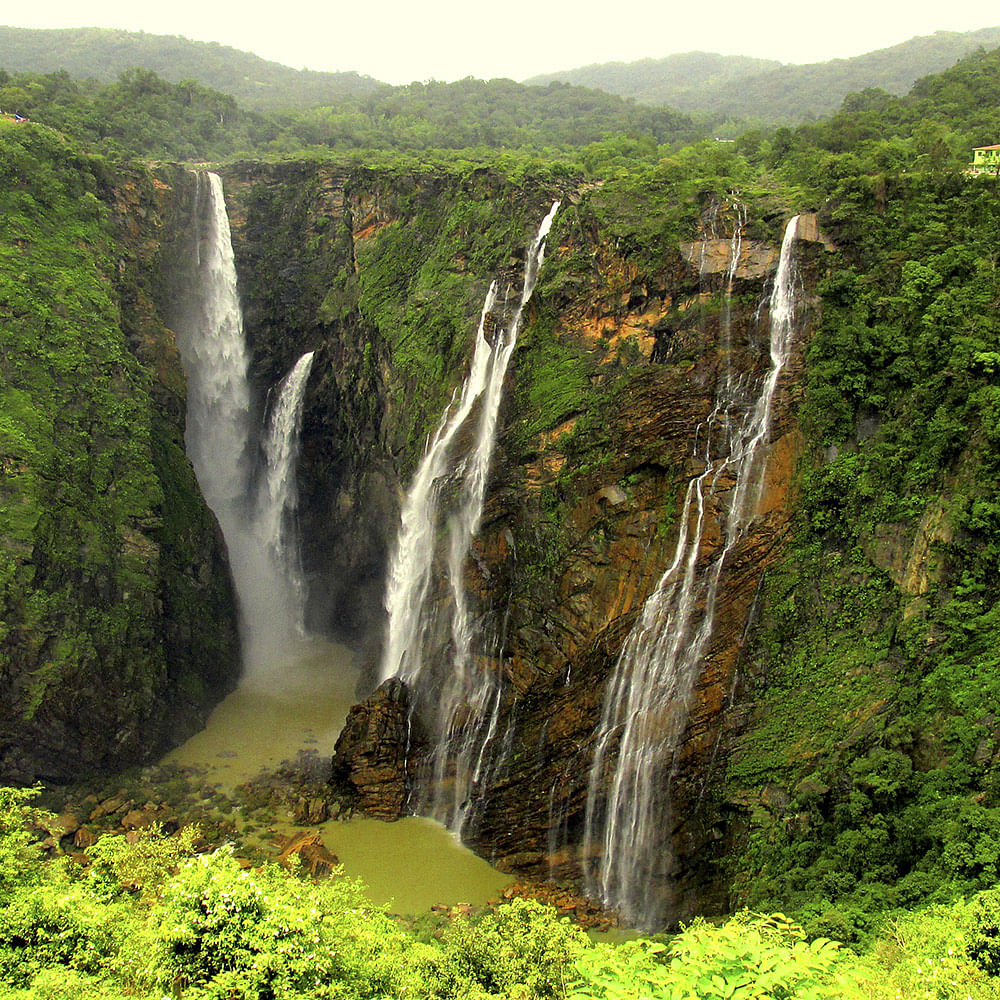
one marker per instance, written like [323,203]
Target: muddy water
[301,704]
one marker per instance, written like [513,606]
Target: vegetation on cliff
[143,114]
[96,562]
[873,667]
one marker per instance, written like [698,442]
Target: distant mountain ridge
[103,53]
[733,87]
[671,80]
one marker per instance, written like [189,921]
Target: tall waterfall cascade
[647,698]
[430,636]
[246,472]
[274,602]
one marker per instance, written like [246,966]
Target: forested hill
[142,113]
[678,79]
[104,53]
[734,87]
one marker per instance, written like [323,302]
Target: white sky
[399,41]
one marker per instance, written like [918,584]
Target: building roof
[977,148]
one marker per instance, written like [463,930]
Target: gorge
[659,466]
[449,687]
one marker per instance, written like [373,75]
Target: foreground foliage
[152,919]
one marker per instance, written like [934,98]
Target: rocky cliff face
[852,617]
[616,369]
[614,486]
[378,273]
[851,671]
[119,627]
[294,229]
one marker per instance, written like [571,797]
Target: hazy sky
[399,41]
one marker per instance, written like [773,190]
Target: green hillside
[732,87]
[141,113]
[677,80]
[104,53]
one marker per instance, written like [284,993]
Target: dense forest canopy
[143,114]
[103,54]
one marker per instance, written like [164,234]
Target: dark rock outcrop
[373,761]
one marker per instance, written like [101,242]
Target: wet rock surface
[375,756]
[566,602]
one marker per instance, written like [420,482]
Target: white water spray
[215,362]
[459,698]
[254,512]
[272,588]
[627,824]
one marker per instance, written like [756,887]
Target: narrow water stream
[409,865]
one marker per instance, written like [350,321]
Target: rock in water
[312,853]
[374,756]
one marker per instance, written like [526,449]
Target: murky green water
[301,704]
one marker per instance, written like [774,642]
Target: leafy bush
[751,956]
[520,950]
[925,954]
[984,939]
[265,933]
[141,865]
[18,855]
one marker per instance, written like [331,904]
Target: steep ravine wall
[119,630]
[379,273]
[842,751]
[616,494]
[843,741]
[383,274]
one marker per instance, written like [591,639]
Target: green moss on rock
[89,668]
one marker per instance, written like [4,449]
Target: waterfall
[429,641]
[215,362]
[273,591]
[247,479]
[646,702]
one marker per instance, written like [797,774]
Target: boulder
[308,847]
[374,755]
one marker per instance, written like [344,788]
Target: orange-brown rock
[311,853]
[580,909]
[84,838]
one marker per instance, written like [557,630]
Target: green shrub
[59,924]
[984,939]
[522,950]
[267,934]
[749,957]
[141,866]
[18,855]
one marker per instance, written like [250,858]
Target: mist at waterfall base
[246,469]
[456,690]
[296,689]
[628,822]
